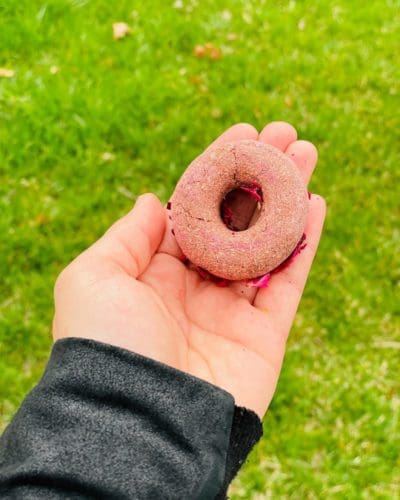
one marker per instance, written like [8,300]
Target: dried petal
[254,190]
[215,53]
[227,216]
[301,245]
[207,50]
[260,282]
[184,259]
[203,273]
[199,51]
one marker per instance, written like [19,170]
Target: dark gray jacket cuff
[107,423]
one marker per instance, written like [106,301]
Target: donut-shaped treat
[197,209]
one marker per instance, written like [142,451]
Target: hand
[130,289]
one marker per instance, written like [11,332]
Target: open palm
[131,289]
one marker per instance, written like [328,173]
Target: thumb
[133,240]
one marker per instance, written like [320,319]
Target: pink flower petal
[203,273]
[227,216]
[260,282]
[301,245]
[254,190]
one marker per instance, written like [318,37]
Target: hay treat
[235,238]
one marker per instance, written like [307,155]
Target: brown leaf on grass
[108,61]
[6,73]
[196,79]
[216,113]
[212,51]
[215,53]
[288,101]
[198,82]
[41,219]
[120,30]
[199,51]
[208,50]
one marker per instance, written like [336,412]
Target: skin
[131,290]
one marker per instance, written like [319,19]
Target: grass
[330,68]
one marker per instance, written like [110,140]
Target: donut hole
[240,208]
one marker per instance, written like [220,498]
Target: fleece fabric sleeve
[104,422]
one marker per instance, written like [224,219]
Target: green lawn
[331,69]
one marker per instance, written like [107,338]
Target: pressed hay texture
[199,229]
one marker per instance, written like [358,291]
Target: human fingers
[305,155]
[278,134]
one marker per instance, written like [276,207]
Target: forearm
[108,423]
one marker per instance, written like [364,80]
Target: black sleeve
[104,422]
